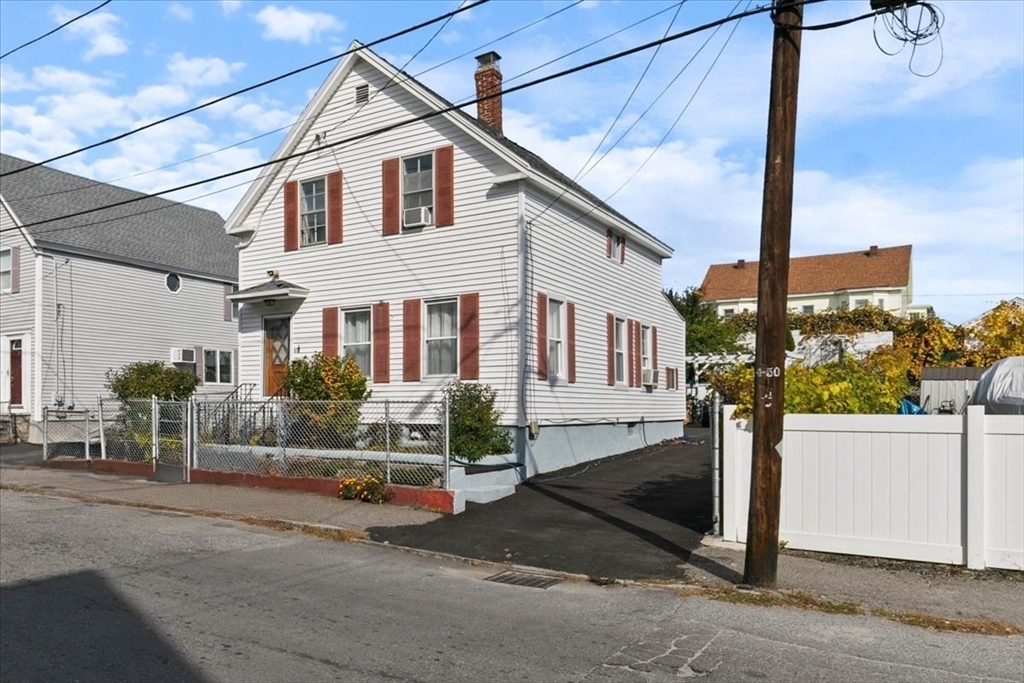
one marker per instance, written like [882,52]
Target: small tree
[143,380]
[475,422]
[706,332]
[339,386]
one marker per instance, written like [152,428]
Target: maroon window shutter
[668,373]
[200,364]
[444,186]
[570,323]
[381,343]
[630,358]
[330,332]
[15,269]
[391,184]
[622,254]
[291,215]
[610,325]
[335,218]
[636,349]
[227,303]
[654,349]
[469,336]
[542,335]
[608,243]
[411,330]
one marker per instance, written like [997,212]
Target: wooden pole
[772,291]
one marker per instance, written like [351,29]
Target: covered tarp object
[1001,388]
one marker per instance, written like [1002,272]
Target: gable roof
[518,156]
[152,232]
[888,267]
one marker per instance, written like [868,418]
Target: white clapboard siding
[113,314]
[475,255]
[1004,498]
[17,313]
[568,261]
[899,486]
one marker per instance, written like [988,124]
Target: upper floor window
[915,315]
[234,304]
[442,337]
[313,212]
[216,366]
[618,247]
[881,303]
[862,303]
[728,312]
[556,348]
[5,270]
[620,350]
[645,347]
[173,282]
[809,308]
[418,191]
[355,338]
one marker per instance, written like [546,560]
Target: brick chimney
[488,82]
[741,264]
[873,250]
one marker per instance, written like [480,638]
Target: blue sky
[884,157]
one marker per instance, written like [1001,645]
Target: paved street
[103,593]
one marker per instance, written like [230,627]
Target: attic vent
[362,94]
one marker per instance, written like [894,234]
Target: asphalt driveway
[638,515]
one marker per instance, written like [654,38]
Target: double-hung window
[234,304]
[355,339]
[556,347]
[418,191]
[808,308]
[5,270]
[313,212]
[216,366]
[728,312]
[645,347]
[620,351]
[862,303]
[618,242]
[442,337]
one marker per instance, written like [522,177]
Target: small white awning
[272,290]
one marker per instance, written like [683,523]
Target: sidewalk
[947,592]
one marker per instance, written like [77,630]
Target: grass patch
[796,599]
[982,626]
[603,580]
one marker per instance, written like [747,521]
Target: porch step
[487,494]
[478,477]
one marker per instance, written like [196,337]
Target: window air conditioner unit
[416,218]
[183,355]
[650,377]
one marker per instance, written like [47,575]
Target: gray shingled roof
[152,231]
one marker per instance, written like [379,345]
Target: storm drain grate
[524,579]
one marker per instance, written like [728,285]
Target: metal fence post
[387,441]
[85,418]
[154,418]
[103,434]
[716,464]
[189,444]
[447,442]
[46,433]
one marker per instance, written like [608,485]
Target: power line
[299,119]
[275,79]
[438,112]
[50,33]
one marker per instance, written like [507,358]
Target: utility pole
[772,291]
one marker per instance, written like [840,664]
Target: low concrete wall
[559,446]
[135,469]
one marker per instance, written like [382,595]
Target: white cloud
[154,99]
[295,25]
[202,71]
[451,37]
[179,11]
[59,78]
[98,29]
[12,80]
[229,7]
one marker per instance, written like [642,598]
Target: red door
[15,372]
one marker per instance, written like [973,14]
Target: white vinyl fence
[932,488]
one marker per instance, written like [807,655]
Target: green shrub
[324,378]
[143,380]
[475,422]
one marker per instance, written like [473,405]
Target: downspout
[37,380]
[521,285]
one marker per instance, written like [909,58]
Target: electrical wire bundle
[906,31]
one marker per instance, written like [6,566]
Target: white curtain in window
[357,338]
[442,331]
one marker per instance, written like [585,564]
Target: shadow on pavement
[76,627]
[640,515]
[21,455]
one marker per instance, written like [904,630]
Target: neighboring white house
[440,250]
[78,296]
[875,277]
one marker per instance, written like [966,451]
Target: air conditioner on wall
[650,377]
[416,218]
[183,355]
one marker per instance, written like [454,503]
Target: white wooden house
[81,295]
[440,250]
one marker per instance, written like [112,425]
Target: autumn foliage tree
[999,334]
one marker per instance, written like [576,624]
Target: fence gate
[170,439]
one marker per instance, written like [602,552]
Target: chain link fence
[398,442]
[69,434]
[127,429]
